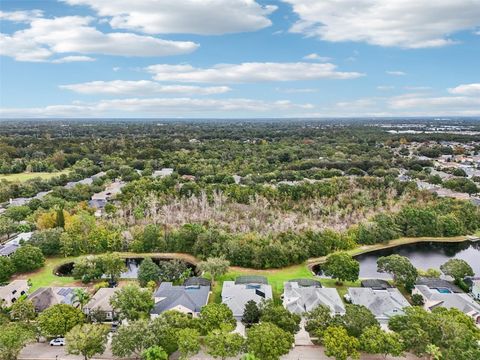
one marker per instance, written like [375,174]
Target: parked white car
[57,342]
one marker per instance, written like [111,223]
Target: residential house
[11,292]
[12,245]
[434,283]
[436,297]
[100,199]
[162,173]
[300,297]
[383,303]
[187,299]
[100,302]
[236,294]
[45,297]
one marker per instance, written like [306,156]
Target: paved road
[43,351]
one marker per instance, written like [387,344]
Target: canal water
[131,264]
[423,256]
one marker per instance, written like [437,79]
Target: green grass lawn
[46,277]
[276,278]
[21,177]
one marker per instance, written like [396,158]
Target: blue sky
[239,58]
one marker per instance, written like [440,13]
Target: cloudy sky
[239,58]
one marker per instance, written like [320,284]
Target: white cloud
[73,34]
[401,23]
[159,107]
[73,58]
[20,16]
[418,88]
[314,56]
[141,88]
[204,17]
[297,90]
[385,87]
[395,73]
[438,104]
[249,72]
[466,89]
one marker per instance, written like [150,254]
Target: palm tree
[80,297]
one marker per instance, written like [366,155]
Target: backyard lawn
[276,278]
[46,277]
[32,175]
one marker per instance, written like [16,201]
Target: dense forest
[263,194]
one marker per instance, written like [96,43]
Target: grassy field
[21,177]
[46,277]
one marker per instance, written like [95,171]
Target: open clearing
[25,176]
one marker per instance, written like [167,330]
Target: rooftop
[192,297]
[382,303]
[299,299]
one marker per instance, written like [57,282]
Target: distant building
[12,292]
[298,298]
[100,302]
[236,294]
[444,297]
[45,297]
[383,303]
[187,299]
[162,173]
[12,245]
[476,289]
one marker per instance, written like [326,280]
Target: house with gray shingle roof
[188,299]
[443,297]
[12,291]
[236,294]
[100,302]
[45,297]
[299,299]
[383,303]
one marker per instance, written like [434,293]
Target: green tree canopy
[59,319]
[268,342]
[376,341]
[342,266]
[339,345]
[278,315]
[251,314]
[188,342]
[7,269]
[222,343]
[148,271]
[214,316]
[132,302]
[28,258]
[402,270]
[214,266]
[87,340]
[13,337]
[457,268]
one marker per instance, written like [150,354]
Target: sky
[239,58]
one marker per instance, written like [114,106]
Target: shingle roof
[433,283]
[236,296]
[299,299]
[169,296]
[44,297]
[460,301]
[382,303]
[101,300]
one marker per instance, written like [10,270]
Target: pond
[132,265]
[423,256]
